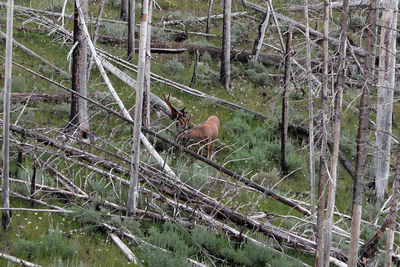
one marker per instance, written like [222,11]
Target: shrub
[259,149]
[173,67]
[206,58]
[160,258]
[18,84]
[157,34]
[116,29]
[206,76]
[238,33]
[258,73]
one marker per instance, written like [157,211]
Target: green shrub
[173,67]
[18,84]
[116,29]
[154,257]
[206,58]
[206,76]
[158,34]
[238,33]
[258,73]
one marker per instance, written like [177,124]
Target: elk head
[181,117]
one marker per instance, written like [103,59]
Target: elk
[207,132]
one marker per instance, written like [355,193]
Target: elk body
[206,132]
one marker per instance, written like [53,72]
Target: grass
[251,146]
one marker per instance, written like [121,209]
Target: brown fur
[207,132]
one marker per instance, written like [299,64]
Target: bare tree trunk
[131,30]
[196,62]
[146,91]
[310,112]
[362,136]
[285,101]
[6,215]
[386,86]
[336,131]
[226,46]
[124,10]
[319,254]
[95,37]
[393,212]
[134,173]
[210,6]
[79,120]
[261,33]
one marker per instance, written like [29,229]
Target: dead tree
[285,101]
[362,136]
[210,6]
[337,114]
[310,113]
[384,109]
[6,215]
[226,46]
[131,30]
[260,37]
[134,172]
[319,254]
[79,121]
[124,10]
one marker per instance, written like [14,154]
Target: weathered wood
[17,260]
[127,252]
[6,214]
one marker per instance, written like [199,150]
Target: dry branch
[127,252]
[17,260]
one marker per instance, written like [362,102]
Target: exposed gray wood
[6,214]
[310,112]
[225,74]
[384,108]
[134,169]
[127,252]
[337,116]
[17,260]
[362,135]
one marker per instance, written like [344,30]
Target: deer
[206,132]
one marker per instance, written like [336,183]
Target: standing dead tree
[386,86]
[320,251]
[134,169]
[337,114]
[362,136]
[226,46]
[79,121]
[285,101]
[6,215]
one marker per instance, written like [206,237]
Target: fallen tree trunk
[45,97]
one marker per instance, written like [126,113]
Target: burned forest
[199,133]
